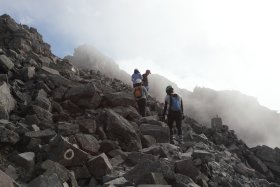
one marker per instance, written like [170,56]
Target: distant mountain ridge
[254,123]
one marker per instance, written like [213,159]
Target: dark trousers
[142,106]
[177,118]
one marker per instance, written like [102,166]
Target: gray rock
[11,171]
[257,164]
[242,169]
[118,128]
[88,143]
[155,150]
[161,134]
[63,152]
[81,172]
[46,181]
[117,152]
[87,125]
[187,167]
[45,61]
[5,63]
[108,145]
[26,73]
[41,113]
[117,182]
[152,178]
[183,180]
[203,155]
[117,160]
[4,77]
[7,102]
[66,129]
[81,91]
[147,141]
[119,99]
[50,70]
[8,136]
[42,134]
[62,173]
[99,166]
[129,112]
[5,180]
[152,120]
[143,168]
[25,160]
[90,102]
[138,157]
[43,102]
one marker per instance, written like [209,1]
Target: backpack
[138,92]
[175,103]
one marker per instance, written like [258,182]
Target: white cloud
[218,44]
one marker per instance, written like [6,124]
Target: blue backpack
[175,103]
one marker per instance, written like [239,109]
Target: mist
[252,122]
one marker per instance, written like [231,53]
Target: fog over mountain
[253,123]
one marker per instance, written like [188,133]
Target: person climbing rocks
[145,79]
[174,104]
[136,75]
[140,93]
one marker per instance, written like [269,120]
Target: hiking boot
[171,141]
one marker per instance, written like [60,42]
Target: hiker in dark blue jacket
[136,75]
[174,104]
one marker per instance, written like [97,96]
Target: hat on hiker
[169,89]
[148,71]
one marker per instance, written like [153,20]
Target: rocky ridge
[61,126]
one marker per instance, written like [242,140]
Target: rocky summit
[62,126]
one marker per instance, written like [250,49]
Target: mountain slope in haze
[88,57]
[254,123]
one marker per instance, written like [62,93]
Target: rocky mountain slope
[62,126]
[252,122]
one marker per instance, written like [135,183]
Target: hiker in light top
[140,93]
[145,79]
[174,108]
[136,75]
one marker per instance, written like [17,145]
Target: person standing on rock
[145,79]
[175,112]
[136,75]
[140,93]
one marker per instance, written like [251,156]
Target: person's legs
[170,121]
[142,107]
[178,121]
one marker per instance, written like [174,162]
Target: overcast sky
[220,44]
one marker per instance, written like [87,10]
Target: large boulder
[5,180]
[88,143]
[160,133]
[7,102]
[46,181]
[99,166]
[5,64]
[187,167]
[118,128]
[81,91]
[119,99]
[8,136]
[65,153]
